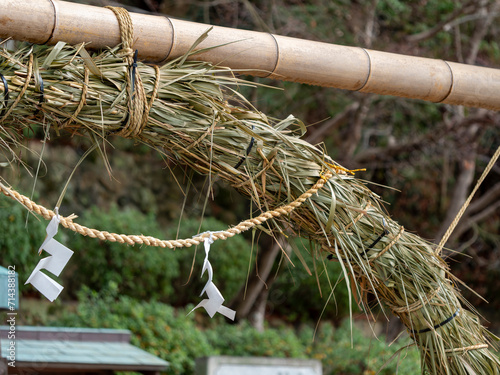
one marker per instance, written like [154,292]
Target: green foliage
[173,336]
[140,271]
[344,353]
[393,8]
[229,260]
[156,327]
[152,272]
[295,284]
[170,275]
[19,243]
[244,340]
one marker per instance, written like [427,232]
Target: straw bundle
[192,112]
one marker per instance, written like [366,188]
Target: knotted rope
[138,107]
[68,222]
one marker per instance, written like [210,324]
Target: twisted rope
[452,226]
[357,218]
[467,348]
[137,106]
[391,244]
[68,222]
[415,306]
[29,72]
[83,98]
[126,30]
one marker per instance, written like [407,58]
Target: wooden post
[160,38]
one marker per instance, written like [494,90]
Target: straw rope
[83,98]
[463,349]
[357,218]
[409,272]
[391,244]
[29,72]
[137,108]
[415,306]
[452,226]
[467,348]
[67,222]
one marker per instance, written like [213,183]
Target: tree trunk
[252,297]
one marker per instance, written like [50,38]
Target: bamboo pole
[159,38]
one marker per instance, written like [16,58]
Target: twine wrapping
[138,107]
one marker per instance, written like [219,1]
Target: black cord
[134,68]
[5,94]
[42,90]
[249,149]
[437,325]
[386,232]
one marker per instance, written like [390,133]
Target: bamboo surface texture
[159,38]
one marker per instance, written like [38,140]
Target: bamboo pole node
[272,74]
[54,24]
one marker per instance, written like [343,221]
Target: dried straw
[196,117]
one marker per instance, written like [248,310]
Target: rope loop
[138,107]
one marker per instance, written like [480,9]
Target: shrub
[19,242]
[341,356]
[156,327]
[140,271]
[228,258]
[151,272]
[295,284]
[244,340]
[173,336]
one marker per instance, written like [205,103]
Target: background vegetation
[431,154]
[175,337]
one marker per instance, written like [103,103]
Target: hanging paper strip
[213,303]
[60,256]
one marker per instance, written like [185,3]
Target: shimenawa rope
[67,222]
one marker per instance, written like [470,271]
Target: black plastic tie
[437,325]
[248,150]
[5,94]
[134,69]
[385,233]
[42,90]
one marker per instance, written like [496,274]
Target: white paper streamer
[60,256]
[214,302]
